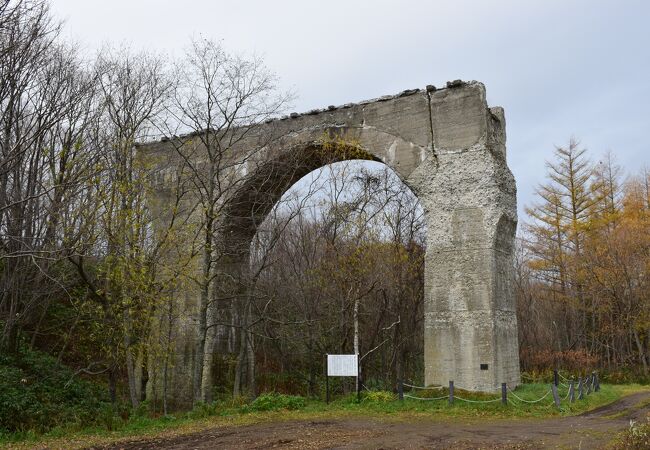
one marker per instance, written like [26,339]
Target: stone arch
[448,146]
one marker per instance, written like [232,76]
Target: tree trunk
[237,385]
[202,329]
[130,362]
[112,384]
[642,355]
[250,356]
[356,338]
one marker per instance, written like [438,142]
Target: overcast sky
[559,68]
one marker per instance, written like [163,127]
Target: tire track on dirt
[589,430]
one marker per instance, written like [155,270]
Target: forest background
[85,294]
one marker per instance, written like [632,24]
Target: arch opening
[347,232]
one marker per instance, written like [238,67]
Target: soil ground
[587,431]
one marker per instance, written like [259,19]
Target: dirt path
[588,431]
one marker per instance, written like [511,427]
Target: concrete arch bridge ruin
[448,146]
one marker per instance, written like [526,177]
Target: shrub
[37,393]
[569,360]
[202,410]
[378,397]
[637,436]
[142,410]
[107,417]
[273,401]
[625,375]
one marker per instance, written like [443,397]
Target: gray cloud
[559,68]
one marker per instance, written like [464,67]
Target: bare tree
[219,99]
[44,99]
[133,88]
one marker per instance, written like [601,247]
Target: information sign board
[342,366]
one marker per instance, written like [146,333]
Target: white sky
[558,67]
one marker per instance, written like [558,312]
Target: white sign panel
[342,366]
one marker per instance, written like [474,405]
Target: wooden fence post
[504,394]
[451,392]
[572,393]
[400,389]
[581,393]
[556,397]
[327,389]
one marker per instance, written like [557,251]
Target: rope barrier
[529,401]
[423,398]
[513,403]
[477,401]
[587,381]
[432,388]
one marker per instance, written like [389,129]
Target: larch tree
[557,231]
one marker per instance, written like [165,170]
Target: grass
[276,408]
[514,409]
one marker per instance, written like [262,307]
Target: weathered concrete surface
[449,147]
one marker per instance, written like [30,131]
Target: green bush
[107,417]
[142,410]
[38,394]
[624,376]
[378,397]
[274,401]
[202,410]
